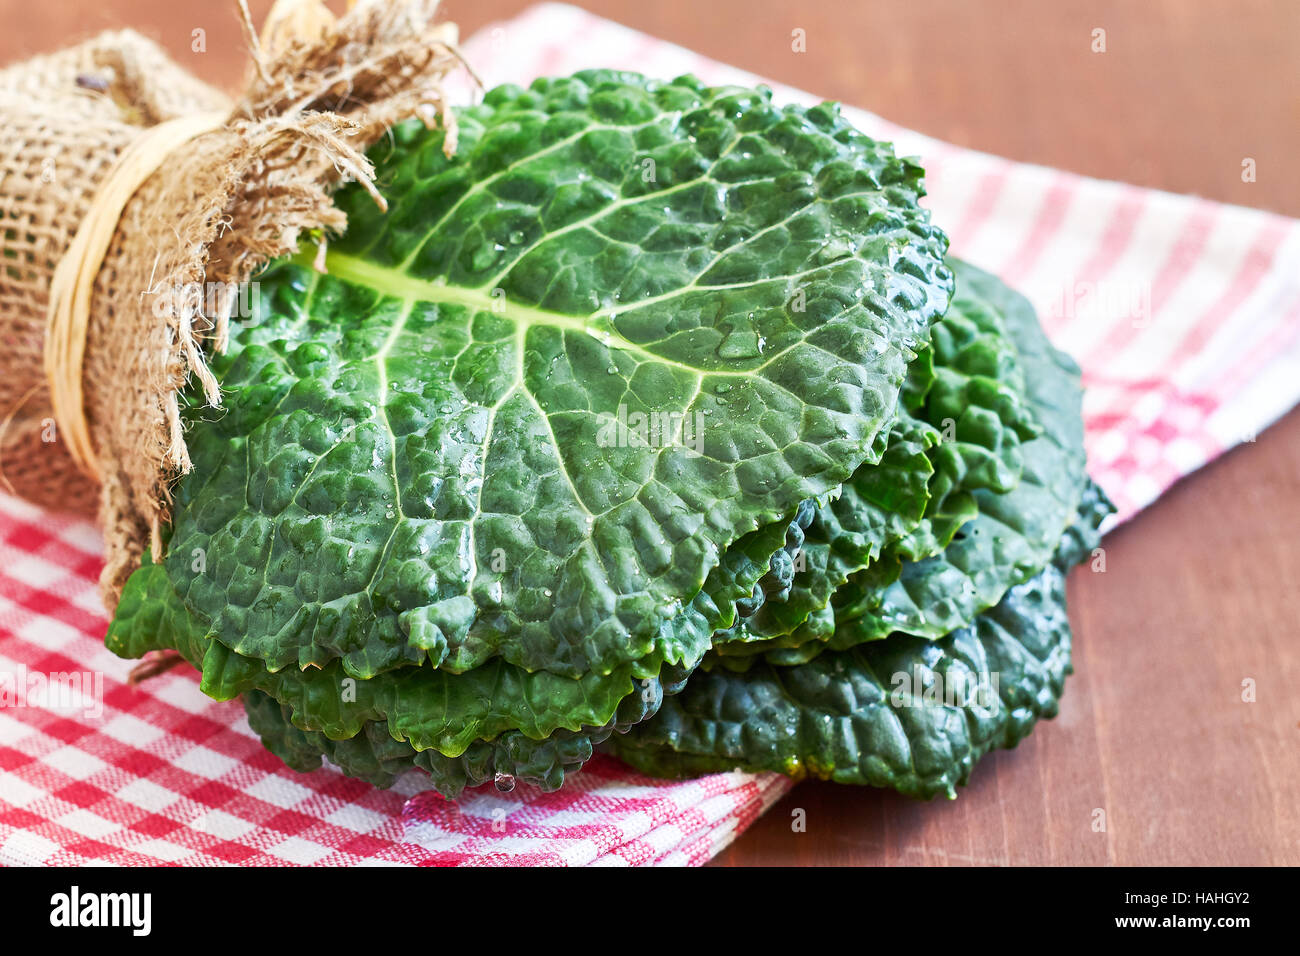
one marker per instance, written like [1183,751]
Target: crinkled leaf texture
[871,715]
[526,410]
[462,729]
[896,703]
[972,410]
[539,430]
[1014,533]
[845,715]
[907,713]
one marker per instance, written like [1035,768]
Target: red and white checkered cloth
[1185,315]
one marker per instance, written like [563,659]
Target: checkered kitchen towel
[1185,315]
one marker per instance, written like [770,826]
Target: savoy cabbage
[648,420]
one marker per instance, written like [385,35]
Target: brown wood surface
[1202,591]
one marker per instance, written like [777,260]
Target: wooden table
[1202,591]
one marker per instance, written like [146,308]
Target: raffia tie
[72,286]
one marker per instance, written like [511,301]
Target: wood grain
[1202,591]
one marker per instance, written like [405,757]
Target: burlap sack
[218,208]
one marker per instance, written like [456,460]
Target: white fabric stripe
[1252,321]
